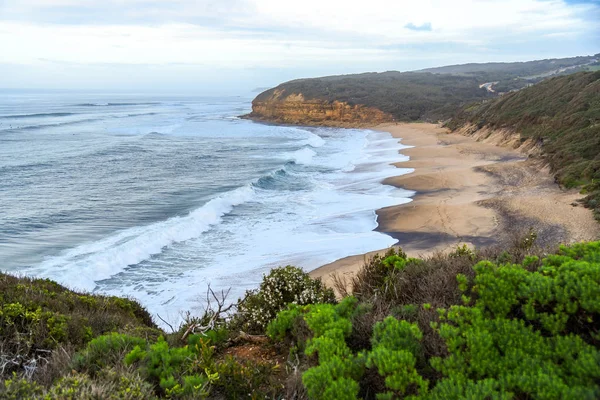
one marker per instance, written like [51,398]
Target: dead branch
[214,310]
[170,326]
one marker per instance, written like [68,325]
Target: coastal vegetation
[428,95]
[518,75]
[562,116]
[408,96]
[517,321]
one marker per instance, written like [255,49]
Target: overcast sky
[233,46]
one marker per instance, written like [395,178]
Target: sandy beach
[470,191]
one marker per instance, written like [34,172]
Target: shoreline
[468,192]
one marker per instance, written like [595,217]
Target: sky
[234,46]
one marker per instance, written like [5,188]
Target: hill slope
[561,114]
[432,95]
[513,322]
[505,77]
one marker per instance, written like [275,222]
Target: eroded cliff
[295,109]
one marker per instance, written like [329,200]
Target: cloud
[424,27]
[311,36]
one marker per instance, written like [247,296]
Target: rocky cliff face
[279,107]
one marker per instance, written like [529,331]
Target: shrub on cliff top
[516,330]
[282,286]
[105,350]
[38,316]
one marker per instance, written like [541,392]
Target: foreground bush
[109,384]
[60,344]
[282,286]
[193,371]
[104,351]
[526,330]
[505,324]
[38,316]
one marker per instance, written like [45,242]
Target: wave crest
[84,265]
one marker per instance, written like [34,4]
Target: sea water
[156,197]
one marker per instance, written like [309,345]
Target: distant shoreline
[469,192]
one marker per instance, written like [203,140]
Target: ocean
[155,197]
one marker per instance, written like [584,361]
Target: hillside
[399,96]
[431,95]
[512,322]
[522,69]
[561,115]
[513,76]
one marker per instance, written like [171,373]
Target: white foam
[307,228]
[302,156]
[314,140]
[86,264]
[167,265]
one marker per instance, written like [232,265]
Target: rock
[294,109]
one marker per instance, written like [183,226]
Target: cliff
[368,98]
[295,109]
[428,95]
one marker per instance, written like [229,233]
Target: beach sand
[470,192]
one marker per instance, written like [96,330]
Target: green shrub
[75,387]
[395,352]
[279,288]
[284,322]
[463,251]
[514,358]
[397,260]
[110,385]
[529,333]
[125,385]
[106,350]
[244,379]
[38,315]
[526,330]
[20,388]
[164,365]
[190,370]
[336,375]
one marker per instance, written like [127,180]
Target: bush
[106,350]
[336,375]
[174,369]
[244,379]
[111,385]
[395,352]
[38,315]
[279,288]
[338,372]
[526,330]
[20,388]
[193,370]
